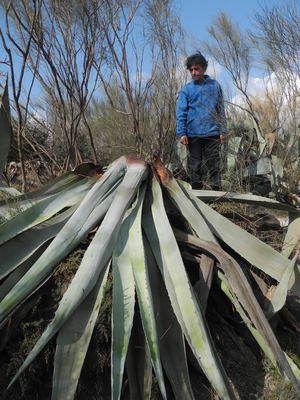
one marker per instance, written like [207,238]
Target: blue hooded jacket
[200,109]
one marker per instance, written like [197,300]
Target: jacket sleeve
[181,114]
[221,117]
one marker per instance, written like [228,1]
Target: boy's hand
[184,140]
[221,138]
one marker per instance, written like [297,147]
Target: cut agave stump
[128,205]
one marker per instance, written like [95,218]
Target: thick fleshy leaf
[246,198]
[199,225]
[9,330]
[262,166]
[11,207]
[55,185]
[43,268]
[292,238]
[73,341]
[203,285]
[19,272]
[188,210]
[44,210]
[122,307]
[144,295]
[278,299]
[182,154]
[20,312]
[87,216]
[95,258]
[171,340]
[5,128]
[15,251]
[138,363]
[248,246]
[184,303]
[232,152]
[10,191]
[244,293]
[261,140]
[257,336]
[290,241]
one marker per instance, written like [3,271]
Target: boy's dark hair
[196,59]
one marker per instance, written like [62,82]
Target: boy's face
[197,72]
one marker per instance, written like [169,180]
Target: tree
[277,39]
[22,47]
[143,44]
[67,37]
[167,39]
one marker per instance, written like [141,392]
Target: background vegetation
[109,72]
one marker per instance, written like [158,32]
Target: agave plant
[130,205]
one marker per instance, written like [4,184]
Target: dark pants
[204,162]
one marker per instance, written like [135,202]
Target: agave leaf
[184,303]
[5,128]
[122,307]
[44,210]
[248,246]
[87,216]
[256,245]
[171,340]
[294,283]
[257,336]
[203,285]
[55,185]
[199,225]
[9,330]
[278,299]
[18,273]
[42,269]
[138,363]
[6,286]
[23,201]
[141,278]
[73,342]
[15,251]
[21,247]
[95,258]
[276,171]
[292,237]
[262,166]
[188,210]
[181,152]
[12,192]
[244,293]
[246,198]
[261,140]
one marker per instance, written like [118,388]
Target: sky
[197,15]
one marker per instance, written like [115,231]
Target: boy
[201,123]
